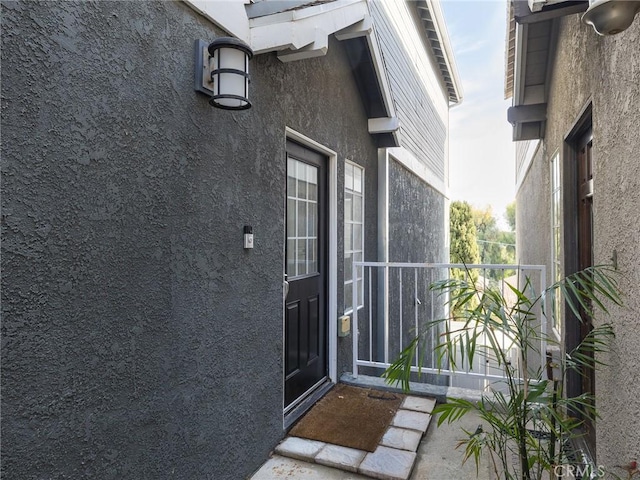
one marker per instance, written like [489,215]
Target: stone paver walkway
[437,459]
[392,460]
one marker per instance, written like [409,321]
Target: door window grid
[302,218]
[556,239]
[353,233]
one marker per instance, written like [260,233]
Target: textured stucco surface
[139,339]
[416,235]
[533,214]
[416,218]
[606,72]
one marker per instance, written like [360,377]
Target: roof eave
[529,101]
[436,32]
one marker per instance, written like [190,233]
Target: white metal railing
[398,303]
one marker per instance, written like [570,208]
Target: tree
[510,215]
[495,246]
[463,245]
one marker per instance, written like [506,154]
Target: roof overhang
[435,30]
[530,48]
[300,29]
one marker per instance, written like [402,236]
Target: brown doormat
[350,416]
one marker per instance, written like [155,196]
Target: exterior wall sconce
[609,17]
[222,72]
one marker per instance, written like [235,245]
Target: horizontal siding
[419,99]
[521,156]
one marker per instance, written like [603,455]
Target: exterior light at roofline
[609,17]
[222,72]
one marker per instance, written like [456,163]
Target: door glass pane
[312,190]
[302,180]
[301,257]
[291,178]
[312,182]
[312,256]
[291,257]
[302,218]
[312,220]
[291,215]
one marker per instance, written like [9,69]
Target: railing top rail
[514,266]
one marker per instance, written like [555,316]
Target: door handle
[286,289]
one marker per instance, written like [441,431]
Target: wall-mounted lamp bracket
[202,77]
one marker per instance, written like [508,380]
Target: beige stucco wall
[604,71]
[617,228]
[533,213]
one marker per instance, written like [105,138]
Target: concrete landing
[394,457]
[436,458]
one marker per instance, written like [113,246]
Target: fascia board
[520,63]
[537,5]
[301,13]
[445,41]
[299,28]
[519,73]
[230,15]
[381,72]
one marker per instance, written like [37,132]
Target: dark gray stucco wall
[416,235]
[416,218]
[139,339]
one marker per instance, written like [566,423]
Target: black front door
[306,271]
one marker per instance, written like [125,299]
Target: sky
[481,153]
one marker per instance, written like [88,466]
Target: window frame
[556,230]
[349,250]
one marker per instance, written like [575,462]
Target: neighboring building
[139,338]
[576,118]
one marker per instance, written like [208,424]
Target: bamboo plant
[525,420]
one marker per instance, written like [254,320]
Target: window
[353,233]
[556,239]
[302,218]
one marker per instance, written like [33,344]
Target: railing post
[386,313]
[401,313]
[354,315]
[543,317]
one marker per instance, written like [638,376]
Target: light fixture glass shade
[230,73]
[609,17]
